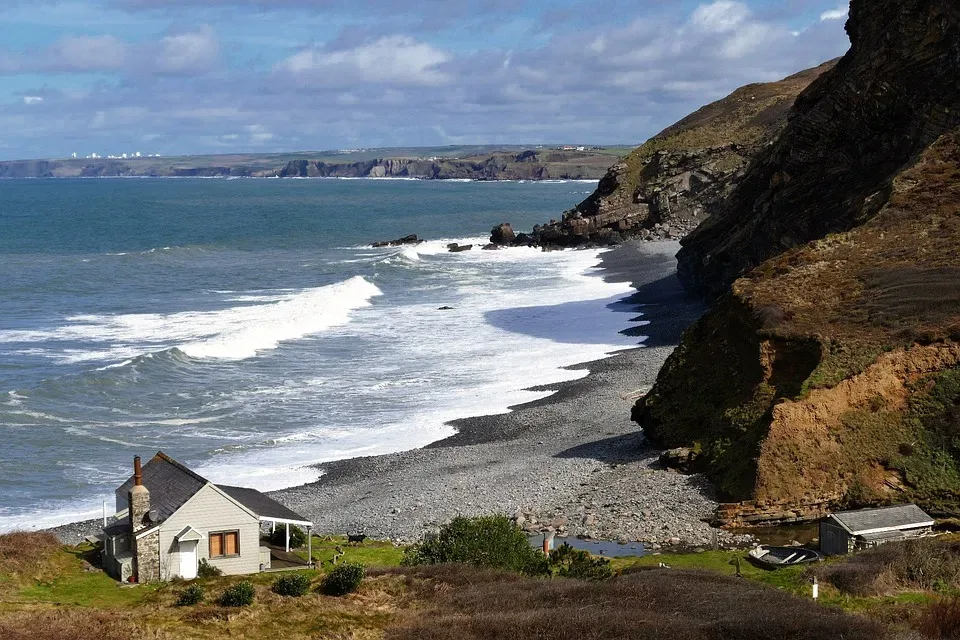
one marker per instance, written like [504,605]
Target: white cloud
[189,52]
[87,53]
[389,60]
[720,17]
[32,99]
[839,13]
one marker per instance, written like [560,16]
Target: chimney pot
[137,472]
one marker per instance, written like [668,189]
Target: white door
[188,560]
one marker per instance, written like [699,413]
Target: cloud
[390,60]
[722,16]
[85,53]
[840,13]
[32,99]
[593,78]
[187,53]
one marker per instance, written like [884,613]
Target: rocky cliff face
[683,174]
[890,97]
[829,373]
[527,165]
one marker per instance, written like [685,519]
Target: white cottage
[169,518]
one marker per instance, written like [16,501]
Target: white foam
[234,333]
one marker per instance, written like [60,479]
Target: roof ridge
[181,467]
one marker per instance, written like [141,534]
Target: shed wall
[834,539]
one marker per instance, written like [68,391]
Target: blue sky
[223,76]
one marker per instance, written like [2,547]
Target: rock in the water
[453,247]
[410,239]
[503,234]
[444,308]
[491,247]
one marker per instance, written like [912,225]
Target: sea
[247,328]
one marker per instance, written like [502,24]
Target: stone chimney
[138,500]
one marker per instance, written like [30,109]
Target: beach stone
[503,234]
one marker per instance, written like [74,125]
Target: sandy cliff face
[680,176]
[828,374]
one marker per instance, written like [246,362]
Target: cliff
[682,175]
[528,164]
[828,372]
[888,98]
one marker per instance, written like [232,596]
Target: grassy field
[49,591]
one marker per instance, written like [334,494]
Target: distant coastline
[470,163]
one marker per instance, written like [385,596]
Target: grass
[372,553]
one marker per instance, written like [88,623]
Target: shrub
[207,570]
[192,595]
[913,565]
[344,579]
[941,620]
[239,595]
[22,551]
[567,562]
[293,585]
[278,536]
[488,541]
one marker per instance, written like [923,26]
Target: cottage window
[224,544]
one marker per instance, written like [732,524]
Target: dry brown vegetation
[896,567]
[463,603]
[26,554]
[72,624]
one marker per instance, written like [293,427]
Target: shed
[847,531]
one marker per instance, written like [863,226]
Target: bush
[293,585]
[278,536]
[913,565]
[567,562]
[344,579]
[192,595]
[207,570]
[941,620]
[239,595]
[488,541]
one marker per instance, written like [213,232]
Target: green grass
[74,586]
[372,553]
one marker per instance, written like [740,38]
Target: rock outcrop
[828,372]
[682,175]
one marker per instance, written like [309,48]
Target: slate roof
[905,516]
[170,484]
[263,506]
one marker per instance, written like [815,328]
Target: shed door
[188,559]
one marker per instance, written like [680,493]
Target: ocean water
[246,327]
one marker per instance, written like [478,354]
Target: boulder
[680,459]
[410,239]
[503,234]
[453,247]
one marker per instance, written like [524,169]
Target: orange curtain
[216,545]
[231,544]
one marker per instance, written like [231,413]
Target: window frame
[223,544]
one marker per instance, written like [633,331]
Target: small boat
[776,557]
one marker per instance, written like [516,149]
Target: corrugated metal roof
[263,506]
[867,520]
[170,484]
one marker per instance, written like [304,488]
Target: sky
[224,76]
